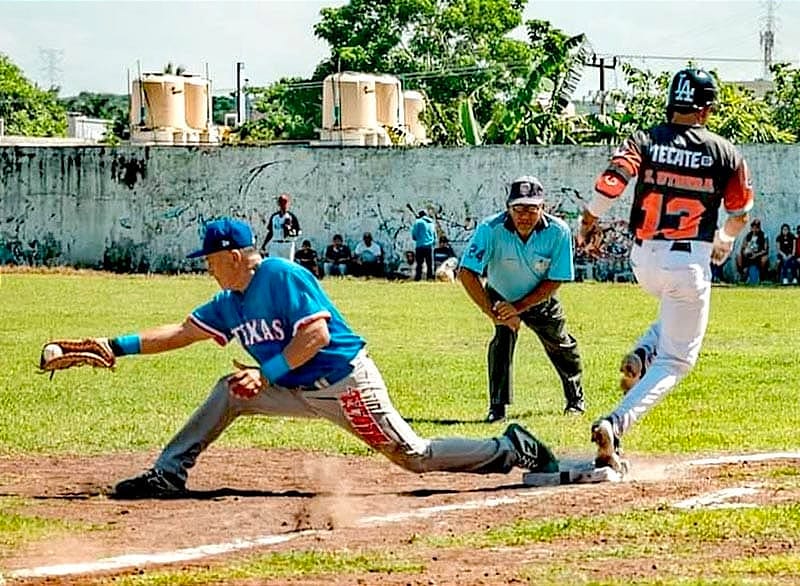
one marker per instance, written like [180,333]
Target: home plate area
[573,472]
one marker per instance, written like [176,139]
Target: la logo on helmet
[684,92]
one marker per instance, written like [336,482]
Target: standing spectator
[337,257]
[368,259]
[525,255]
[307,257]
[423,233]
[283,228]
[787,262]
[684,174]
[753,258]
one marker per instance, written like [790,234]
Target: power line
[693,58]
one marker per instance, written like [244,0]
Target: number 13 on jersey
[660,217]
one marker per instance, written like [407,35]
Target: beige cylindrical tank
[196,102]
[388,102]
[163,100]
[414,103]
[348,101]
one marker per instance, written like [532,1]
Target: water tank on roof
[389,101]
[163,100]
[414,104]
[348,101]
[196,102]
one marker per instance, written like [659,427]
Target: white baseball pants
[681,280]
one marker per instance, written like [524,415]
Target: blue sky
[97,43]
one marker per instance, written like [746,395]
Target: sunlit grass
[430,344]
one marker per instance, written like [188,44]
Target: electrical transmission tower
[51,65]
[768,39]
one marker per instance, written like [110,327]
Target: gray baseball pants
[360,404]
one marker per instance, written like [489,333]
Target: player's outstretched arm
[170,337]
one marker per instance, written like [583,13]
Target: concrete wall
[142,208]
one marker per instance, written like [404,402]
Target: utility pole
[241,114]
[768,39]
[600,63]
[51,65]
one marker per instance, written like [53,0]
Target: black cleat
[575,407]
[532,454]
[150,484]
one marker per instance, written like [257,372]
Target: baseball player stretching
[684,174]
[310,364]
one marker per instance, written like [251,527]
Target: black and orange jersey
[684,174]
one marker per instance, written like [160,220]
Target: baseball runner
[310,364]
[283,228]
[684,174]
[525,255]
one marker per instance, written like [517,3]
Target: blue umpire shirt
[513,267]
[281,298]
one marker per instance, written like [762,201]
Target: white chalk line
[736,459]
[718,499]
[193,553]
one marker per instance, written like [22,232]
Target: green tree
[739,115]
[448,49]
[785,98]
[289,109]
[26,109]
[114,107]
[221,105]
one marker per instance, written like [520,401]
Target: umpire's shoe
[497,413]
[531,454]
[150,484]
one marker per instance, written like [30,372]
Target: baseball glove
[63,354]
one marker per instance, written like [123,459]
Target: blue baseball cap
[225,234]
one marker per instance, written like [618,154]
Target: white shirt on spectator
[369,253]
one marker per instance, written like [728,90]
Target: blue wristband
[124,345]
[275,368]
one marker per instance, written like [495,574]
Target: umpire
[524,254]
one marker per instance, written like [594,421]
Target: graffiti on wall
[140,211]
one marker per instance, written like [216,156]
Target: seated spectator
[752,260]
[442,252]
[337,257]
[405,270]
[796,278]
[368,261]
[307,257]
[787,261]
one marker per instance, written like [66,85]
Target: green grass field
[430,344]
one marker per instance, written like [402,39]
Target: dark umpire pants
[547,320]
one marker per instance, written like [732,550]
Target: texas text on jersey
[685,174]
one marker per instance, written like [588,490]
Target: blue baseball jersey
[281,298]
[514,267]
